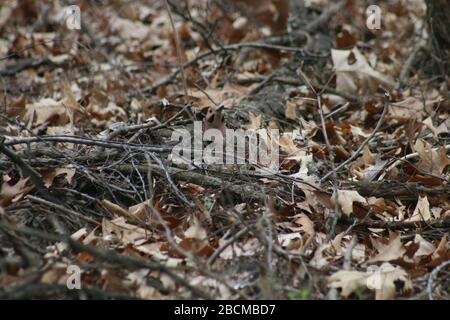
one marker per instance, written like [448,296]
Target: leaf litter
[90,114]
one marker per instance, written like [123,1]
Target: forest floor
[94,203]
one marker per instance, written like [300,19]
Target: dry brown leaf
[291,110]
[306,223]
[47,111]
[48,175]
[431,161]
[386,279]
[357,75]
[255,122]
[126,233]
[348,281]
[140,210]
[422,211]
[346,199]
[411,107]
[114,208]
[426,248]
[196,231]
[12,192]
[392,251]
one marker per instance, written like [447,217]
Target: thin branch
[86,141]
[62,209]
[432,277]
[27,171]
[178,48]
[361,147]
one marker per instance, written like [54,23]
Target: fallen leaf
[431,160]
[346,199]
[47,111]
[392,251]
[422,211]
[357,75]
[114,208]
[255,122]
[386,279]
[291,110]
[48,175]
[12,192]
[426,248]
[348,281]
[126,233]
[196,230]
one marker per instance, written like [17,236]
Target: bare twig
[405,158]
[365,142]
[177,191]
[348,254]
[226,244]
[335,217]
[87,141]
[36,179]
[238,46]
[62,209]
[178,48]
[432,277]
[110,256]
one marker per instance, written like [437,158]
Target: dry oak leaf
[411,107]
[307,226]
[422,211]
[392,251]
[12,192]
[196,231]
[442,251]
[387,279]
[346,199]
[47,110]
[384,280]
[114,208]
[348,281]
[286,142]
[291,110]
[353,72]
[442,128]
[431,160]
[48,175]
[426,248]
[126,233]
[255,122]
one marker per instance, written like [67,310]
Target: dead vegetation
[359,208]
